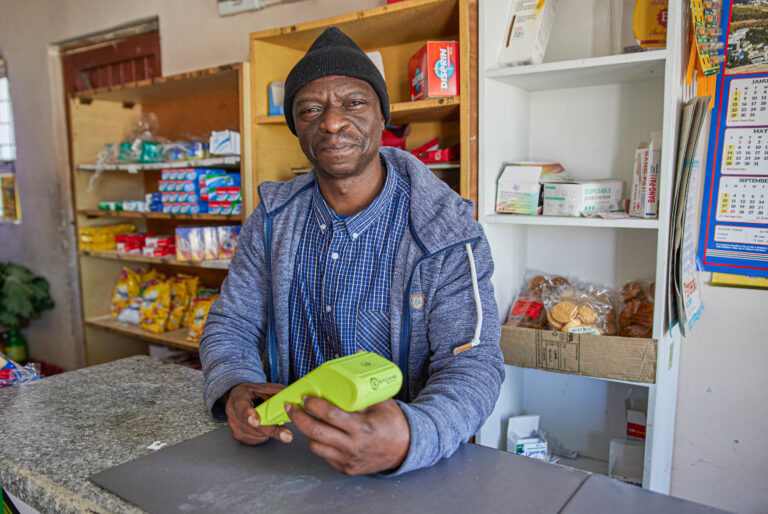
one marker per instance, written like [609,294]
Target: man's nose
[334,119]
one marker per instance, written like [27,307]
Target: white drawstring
[478,305]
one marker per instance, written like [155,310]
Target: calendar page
[733,236]
[745,151]
[748,102]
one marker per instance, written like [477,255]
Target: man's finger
[328,412]
[317,429]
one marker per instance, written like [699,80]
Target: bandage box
[433,71]
[518,189]
[523,437]
[583,196]
[526,33]
[225,142]
[644,200]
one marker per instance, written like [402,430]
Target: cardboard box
[644,202]
[583,196]
[523,437]
[620,358]
[526,34]
[433,71]
[625,461]
[518,189]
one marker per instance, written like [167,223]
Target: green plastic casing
[352,383]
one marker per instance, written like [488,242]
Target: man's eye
[310,110]
[356,103]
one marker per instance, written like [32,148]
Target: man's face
[339,124]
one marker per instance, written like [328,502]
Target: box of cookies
[561,324]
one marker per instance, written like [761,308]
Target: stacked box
[187,190]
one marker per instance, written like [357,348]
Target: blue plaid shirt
[339,301]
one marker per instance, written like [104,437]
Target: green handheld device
[351,383]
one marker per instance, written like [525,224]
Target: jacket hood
[439,217]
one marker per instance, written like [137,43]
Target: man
[369,251]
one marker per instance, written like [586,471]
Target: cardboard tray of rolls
[569,327]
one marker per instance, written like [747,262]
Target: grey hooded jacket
[441,299]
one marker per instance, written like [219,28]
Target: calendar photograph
[748,38]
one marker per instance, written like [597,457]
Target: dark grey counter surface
[56,432]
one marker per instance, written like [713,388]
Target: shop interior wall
[192,36]
[720,446]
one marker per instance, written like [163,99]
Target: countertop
[56,432]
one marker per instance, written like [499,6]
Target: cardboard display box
[618,358]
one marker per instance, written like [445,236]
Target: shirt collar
[358,223]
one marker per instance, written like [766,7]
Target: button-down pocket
[372,332]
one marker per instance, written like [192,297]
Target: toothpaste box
[527,31]
[523,437]
[644,200]
[214,207]
[583,197]
[433,71]
[518,189]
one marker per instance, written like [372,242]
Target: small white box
[523,437]
[527,32]
[625,461]
[518,189]
[583,196]
[276,97]
[644,202]
[225,142]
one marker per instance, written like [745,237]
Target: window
[7,141]
[9,204]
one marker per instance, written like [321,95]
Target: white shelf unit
[588,110]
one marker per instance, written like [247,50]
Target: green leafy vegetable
[22,295]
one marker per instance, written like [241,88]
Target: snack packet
[636,318]
[155,307]
[200,308]
[528,308]
[126,290]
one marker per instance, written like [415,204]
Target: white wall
[723,394]
[721,446]
[192,36]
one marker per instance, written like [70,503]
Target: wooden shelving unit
[97,213]
[186,104]
[397,31]
[174,338]
[588,110]
[117,256]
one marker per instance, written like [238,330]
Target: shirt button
[323,226]
[334,256]
[354,235]
[327,308]
[335,355]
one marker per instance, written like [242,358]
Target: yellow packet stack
[126,290]
[155,307]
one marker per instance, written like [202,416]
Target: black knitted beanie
[333,53]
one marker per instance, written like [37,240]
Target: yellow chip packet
[125,291]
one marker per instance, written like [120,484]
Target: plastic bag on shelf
[155,307]
[125,291]
[636,317]
[582,308]
[528,308]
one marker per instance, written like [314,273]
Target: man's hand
[355,443]
[244,421]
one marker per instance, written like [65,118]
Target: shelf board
[431,109]
[116,256]
[454,165]
[570,221]
[158,89]
[226,162]
[96,213]
[392,23]
[587,464]
[595,71]
[174,338]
